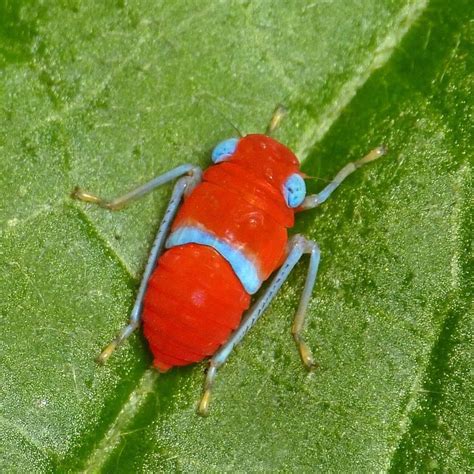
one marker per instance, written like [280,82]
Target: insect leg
[305,352]
[317,199]
[122,201]
[276,119]
[183,187]
[298,246]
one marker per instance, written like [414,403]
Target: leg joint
[306,245]
[191,180]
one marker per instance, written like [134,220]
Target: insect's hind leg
[298,246]
[182,187]
[121,201]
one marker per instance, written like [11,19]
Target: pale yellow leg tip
[276,119]
[307,357]
[382,150]
[79,194]
[76,193]
[375,154]
[106,353]
[203,408]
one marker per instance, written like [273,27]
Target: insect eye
[294,190]
[224,150]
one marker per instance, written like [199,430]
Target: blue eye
[294,190]
[224,150]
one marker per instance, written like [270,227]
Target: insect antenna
[227,119]
[316,178]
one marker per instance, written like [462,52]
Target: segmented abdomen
[193,302]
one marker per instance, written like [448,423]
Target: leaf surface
[109,94]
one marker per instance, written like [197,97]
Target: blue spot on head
[224,150]
[294,190]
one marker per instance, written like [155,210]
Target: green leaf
[109,94]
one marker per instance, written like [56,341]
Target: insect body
[229,235]
[213,253]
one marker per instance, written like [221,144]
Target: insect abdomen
[193,302]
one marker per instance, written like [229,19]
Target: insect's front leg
[121,201]
[316,199]
[298,246]
[182,187]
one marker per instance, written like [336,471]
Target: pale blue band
[244,269]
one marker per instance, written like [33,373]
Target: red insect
[229,235]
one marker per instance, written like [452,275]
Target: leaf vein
[315,132]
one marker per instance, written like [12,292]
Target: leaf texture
[109,94]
